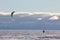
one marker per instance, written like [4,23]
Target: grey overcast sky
[30,5]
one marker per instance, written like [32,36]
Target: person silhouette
[43,31]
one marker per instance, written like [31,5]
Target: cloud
[30,13]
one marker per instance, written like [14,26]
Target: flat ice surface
[29,35]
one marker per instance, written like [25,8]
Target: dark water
[28,22]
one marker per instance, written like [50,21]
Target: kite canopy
[12,13]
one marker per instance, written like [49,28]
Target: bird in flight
[12,13]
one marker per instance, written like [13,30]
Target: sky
[30,5]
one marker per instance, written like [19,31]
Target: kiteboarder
[43,31]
